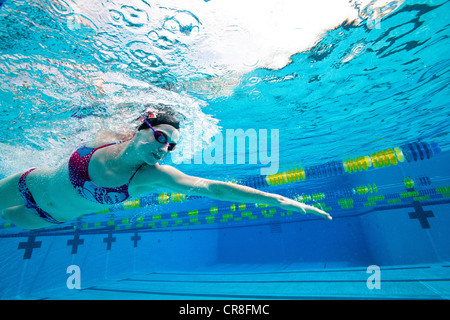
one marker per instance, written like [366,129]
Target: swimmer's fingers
[289,204]
[313,210]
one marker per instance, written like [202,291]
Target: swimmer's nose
[163,151]
[164,148]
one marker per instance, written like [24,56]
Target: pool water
[349,116]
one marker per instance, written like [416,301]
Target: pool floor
[396,282]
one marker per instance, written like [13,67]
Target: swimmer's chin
[153,159]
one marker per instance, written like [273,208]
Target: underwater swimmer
[104,173]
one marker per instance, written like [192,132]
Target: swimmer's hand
[289,204]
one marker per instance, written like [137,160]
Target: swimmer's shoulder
[146,180]
[107,136]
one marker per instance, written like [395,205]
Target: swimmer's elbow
[179,182]
[215,189]
[203,187]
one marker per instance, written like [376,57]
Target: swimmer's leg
[9,192]
[12,207]
[24,218]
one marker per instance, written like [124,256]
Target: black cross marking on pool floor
[135,238]
[29,246]
[75,242]
[109,240]
[421,215]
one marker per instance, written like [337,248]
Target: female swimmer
[111,170]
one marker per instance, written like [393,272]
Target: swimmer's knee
[21,217]
[4,215]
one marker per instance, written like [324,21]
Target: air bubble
[153,35]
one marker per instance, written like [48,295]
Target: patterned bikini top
[79,177]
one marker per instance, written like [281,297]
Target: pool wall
[395,215]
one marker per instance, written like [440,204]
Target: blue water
[359,117]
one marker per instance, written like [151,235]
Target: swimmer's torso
[54,192]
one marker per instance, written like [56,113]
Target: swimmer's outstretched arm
[175,180]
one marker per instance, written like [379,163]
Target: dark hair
[159,114]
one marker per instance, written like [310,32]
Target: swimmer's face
[153,150]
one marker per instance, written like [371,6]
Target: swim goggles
[161,137]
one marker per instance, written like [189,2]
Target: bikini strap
[118,142]
[109,144]
[129,181]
